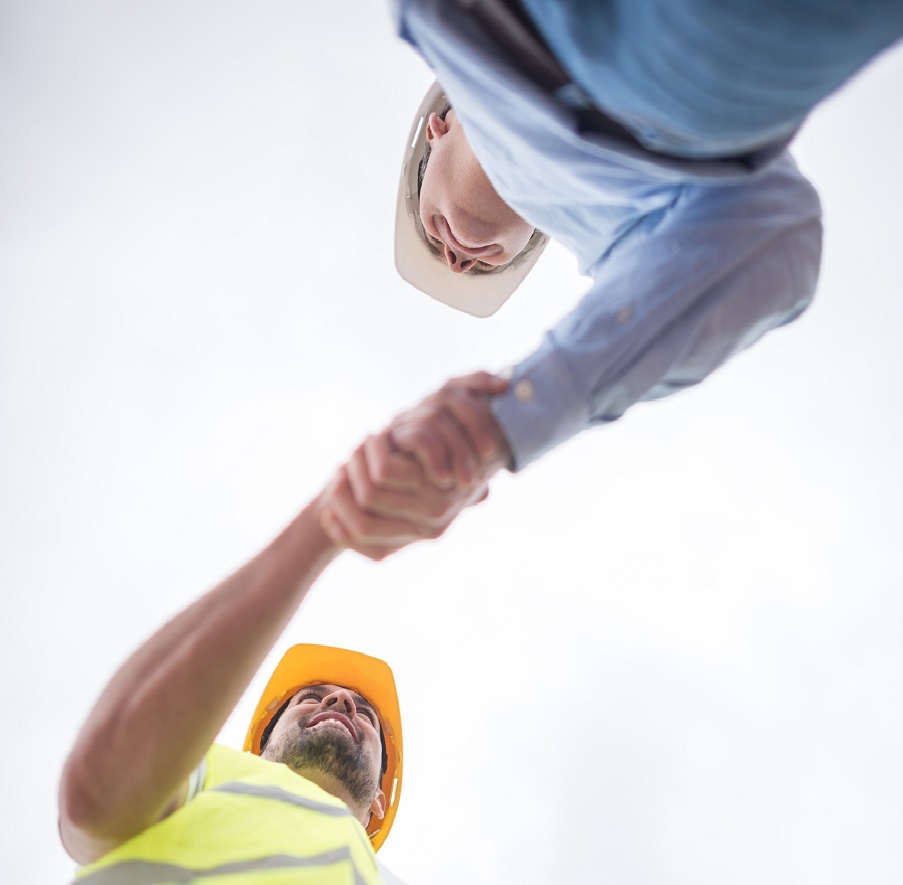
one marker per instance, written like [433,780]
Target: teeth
[329,722]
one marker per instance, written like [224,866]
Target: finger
[425,505]
[474,417]
[422,440]
[483,383]
[330,524]
[459,451]
[389,468]
[376,500]
[339,536]
[334,530]
[440,445]
[363,529]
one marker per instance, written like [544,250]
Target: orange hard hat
[370,677]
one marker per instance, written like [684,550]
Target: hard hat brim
[480,295]
[370,677]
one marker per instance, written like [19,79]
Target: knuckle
[410,435]
[387,469]
[419,435]
[367,497]
[381,473]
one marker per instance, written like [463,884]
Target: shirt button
[524,390]
[624,314]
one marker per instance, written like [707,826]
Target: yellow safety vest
[254,823]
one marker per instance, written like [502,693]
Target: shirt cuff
[543,407]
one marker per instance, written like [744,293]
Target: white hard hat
[479,294]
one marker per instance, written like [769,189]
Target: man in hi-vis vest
[146,798]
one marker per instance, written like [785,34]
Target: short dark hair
[272,724]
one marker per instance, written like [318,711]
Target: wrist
[307,534]
[326,527]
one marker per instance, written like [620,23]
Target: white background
[669,652]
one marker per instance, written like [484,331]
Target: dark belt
[518,38]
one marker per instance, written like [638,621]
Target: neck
[333,785]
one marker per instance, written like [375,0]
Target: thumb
[482,496]
[334,529]
[483,383]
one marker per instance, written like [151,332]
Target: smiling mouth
[334,720]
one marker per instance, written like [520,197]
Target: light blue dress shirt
[689,264]
[713,77]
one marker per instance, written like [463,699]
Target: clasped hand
[411,481]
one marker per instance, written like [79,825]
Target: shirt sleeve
[727,264]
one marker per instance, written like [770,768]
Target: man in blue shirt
[647,136]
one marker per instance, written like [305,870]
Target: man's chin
[327,741]
[332,751]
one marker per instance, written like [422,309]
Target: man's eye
[309,696]
[369,714]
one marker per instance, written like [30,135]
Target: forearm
[669,308]
[157,717]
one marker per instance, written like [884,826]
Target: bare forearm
[166,704]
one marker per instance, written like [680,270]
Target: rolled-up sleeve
[728,263]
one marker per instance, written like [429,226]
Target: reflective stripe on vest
[240,788]
[146,872]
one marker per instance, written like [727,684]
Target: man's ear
[378,805]
[436,127]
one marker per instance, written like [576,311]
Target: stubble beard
[331,753]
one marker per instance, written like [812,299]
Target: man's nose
[457,263]
[340,701]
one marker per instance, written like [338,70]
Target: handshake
[410,481]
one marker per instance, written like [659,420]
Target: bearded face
[327,733]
